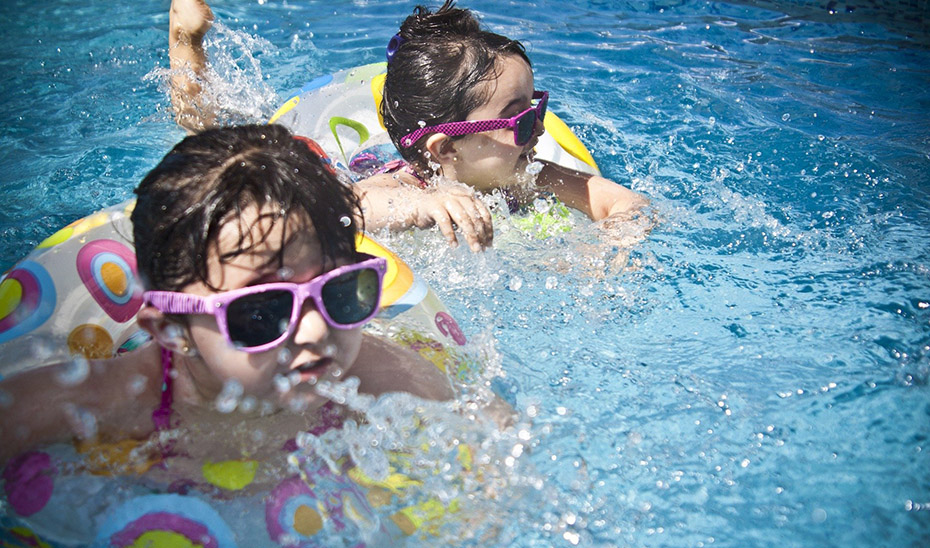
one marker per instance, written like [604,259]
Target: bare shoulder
[383,367]
[389,180]
[110,398]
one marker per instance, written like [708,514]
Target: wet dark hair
[208,179]
[433,77]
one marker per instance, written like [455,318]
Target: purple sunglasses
[523,124]
[260,317]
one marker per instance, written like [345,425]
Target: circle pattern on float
[27,300]
[172,520]
[293,511]
[108,270]
[91,341]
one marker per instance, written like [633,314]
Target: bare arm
[58,403]
[383,367]
[595,196]
[394,201]
[189,21]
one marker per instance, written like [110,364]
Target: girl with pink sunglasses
[460,106]
[245,244]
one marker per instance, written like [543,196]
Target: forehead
[513,82]
[258,241]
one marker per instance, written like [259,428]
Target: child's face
[315,351]
[491,159]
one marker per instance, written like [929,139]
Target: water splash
[233,86]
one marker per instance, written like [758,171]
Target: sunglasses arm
[171,302]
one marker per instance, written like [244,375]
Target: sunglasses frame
[467,127]
[174,302]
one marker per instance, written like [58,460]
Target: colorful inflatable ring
[77,295]
[341,111]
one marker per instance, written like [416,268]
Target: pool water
[754,371]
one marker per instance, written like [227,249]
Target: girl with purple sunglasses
[245,243]
[460,106]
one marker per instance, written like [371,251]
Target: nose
[311,327]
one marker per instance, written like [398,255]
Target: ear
[440,147]
[168,333]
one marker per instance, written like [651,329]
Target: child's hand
[454,207]
[396,201]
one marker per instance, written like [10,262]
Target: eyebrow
[514,103]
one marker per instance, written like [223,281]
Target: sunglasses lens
[526,127]
[352,297]
[254,320]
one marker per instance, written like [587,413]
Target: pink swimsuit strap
[402,165]
[162,415]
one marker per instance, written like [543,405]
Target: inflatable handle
[359,128]
[563,136]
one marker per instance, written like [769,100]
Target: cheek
[349,343]
[221,363]
[490,157]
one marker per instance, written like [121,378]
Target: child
[459,102]
[443,70]
[245,242]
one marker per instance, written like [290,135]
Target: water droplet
[345,220]
[228,398]
[82,421]
[137,385]
[285,273]
[74,372]
[172,332]
[515,283]
[284,355]
[819,515]
[541,205]
[785,117]
[281,384]
[248,404]
[552,282]
[533,168]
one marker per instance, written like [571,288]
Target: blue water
[756,373]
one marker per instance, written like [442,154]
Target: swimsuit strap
[513,204]
[161,416]
[397,165]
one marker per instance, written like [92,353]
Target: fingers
[463,212]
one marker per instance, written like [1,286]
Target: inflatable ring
[341,111]
[77,295]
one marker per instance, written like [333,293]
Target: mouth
[310,372]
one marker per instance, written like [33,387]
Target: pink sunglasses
[260,317]
[523,124]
